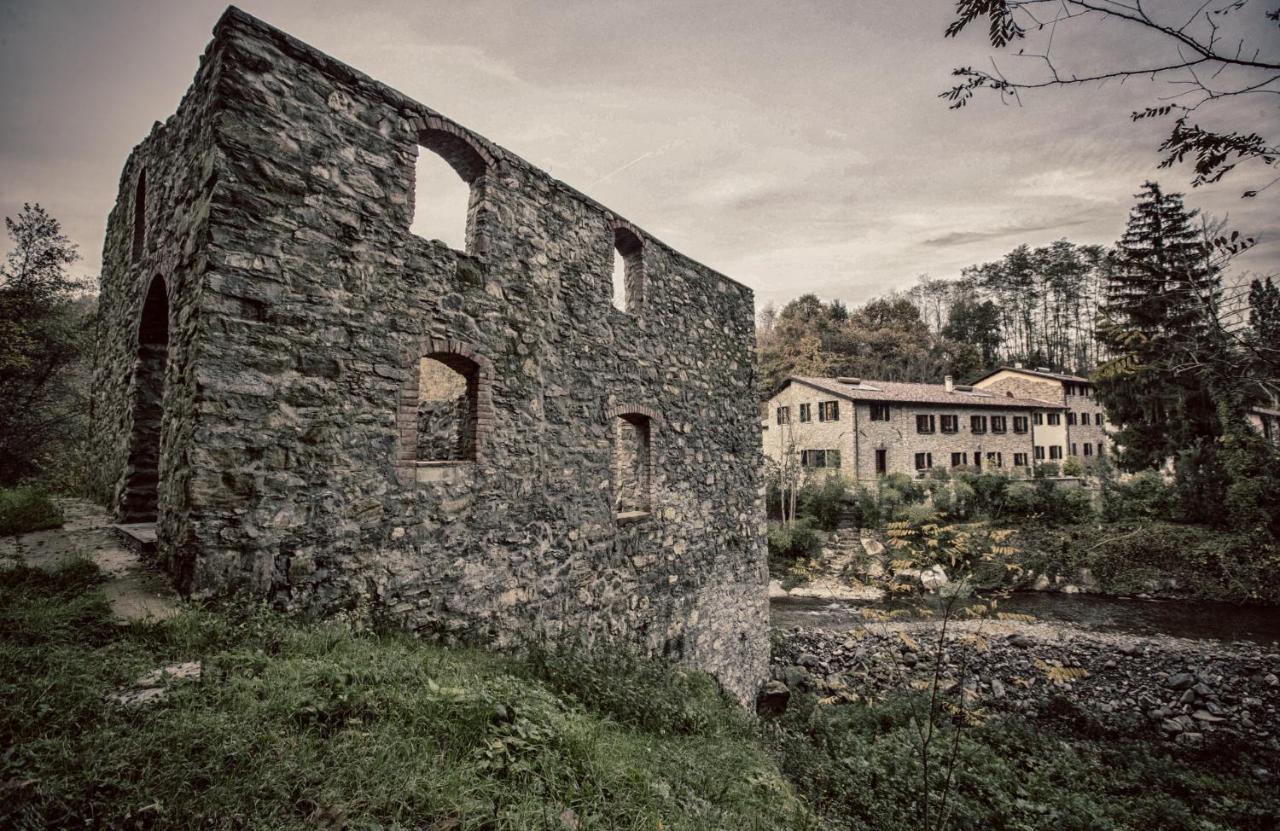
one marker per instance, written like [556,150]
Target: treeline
[46,325]
[1035,305]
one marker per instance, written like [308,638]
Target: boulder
[933,578]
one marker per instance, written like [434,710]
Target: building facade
[1267,422]
[269,387]
[862,428]
[1082,430]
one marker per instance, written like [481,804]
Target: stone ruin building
[314,405]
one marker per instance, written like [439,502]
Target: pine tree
[1158,323]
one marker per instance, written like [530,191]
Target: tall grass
[27,508]
[304,725]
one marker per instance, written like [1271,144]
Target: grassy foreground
[297,725]
[305,725]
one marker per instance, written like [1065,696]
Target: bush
[866,508]
[911,490]
[799,539]
[918,514]
[1073,467]
[1046,470]
[25,508]
[861,764]
[1144,495]
[823,499]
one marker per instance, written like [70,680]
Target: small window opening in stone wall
[446,415]
[140,215]
[632,464]
[448,187]
[446,411]
[628,270]
[440,201]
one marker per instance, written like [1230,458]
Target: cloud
[955,238]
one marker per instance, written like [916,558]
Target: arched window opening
[632,465]
[446,189]
[628,271]
[446,409]
[140,215]
[140,497]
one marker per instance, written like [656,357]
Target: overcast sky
[795,146]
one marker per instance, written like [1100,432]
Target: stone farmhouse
[305,402]
[1082,431]
[862,429]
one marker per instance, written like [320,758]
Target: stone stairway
[844,563]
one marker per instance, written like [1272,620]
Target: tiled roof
[869,390]
[1056,376]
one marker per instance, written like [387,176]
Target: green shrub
[823,498]
[918,514]
[865,508]
[861,764]
[1073,467]
[911,490]
[25,508]
[890,502]
[1145,495]
[1045,470]
[799,539]
[1022,499]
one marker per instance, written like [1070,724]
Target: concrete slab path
[135,590]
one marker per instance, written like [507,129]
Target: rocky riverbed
[1165,689]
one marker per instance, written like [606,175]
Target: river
[1179,618]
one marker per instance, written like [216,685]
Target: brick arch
[472,161]
[629,408]
[465,359]
[468,157]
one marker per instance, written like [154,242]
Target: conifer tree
[1157,322]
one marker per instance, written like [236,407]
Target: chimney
[851,381]
[949,384]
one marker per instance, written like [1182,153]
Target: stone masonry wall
[899,437]
[1047,389]
[314,304]
[158,231]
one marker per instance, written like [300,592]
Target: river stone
[1180,681]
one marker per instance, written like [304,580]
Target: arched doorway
[141,496]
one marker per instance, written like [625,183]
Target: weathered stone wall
[314,304]
[443,429]
[156,244]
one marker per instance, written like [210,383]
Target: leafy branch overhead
[1204,54]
